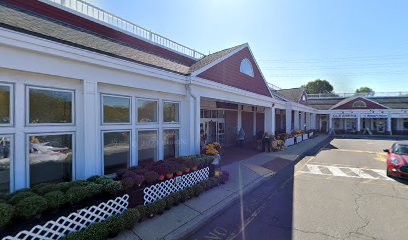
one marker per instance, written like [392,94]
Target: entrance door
[212,132]
[324,126]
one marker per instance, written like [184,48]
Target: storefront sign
[373,115]
[399,115]
[344,115]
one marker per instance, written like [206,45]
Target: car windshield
[401,149]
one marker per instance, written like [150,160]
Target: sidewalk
[245,175]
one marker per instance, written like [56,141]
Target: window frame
[138,130]
[27,106]
[179,142]
[137,111]
[359,101]
[118,96]
[11,110]
[27,158]
[179,109]
[246,62]
[12,167]
[129,164]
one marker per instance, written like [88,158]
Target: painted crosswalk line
[351,172]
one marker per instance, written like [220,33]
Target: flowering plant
[211,150]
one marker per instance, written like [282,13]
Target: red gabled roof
[348,104]
[46,10]
[227,72]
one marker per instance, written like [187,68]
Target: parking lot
[340,193]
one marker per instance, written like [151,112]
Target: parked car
[397,160]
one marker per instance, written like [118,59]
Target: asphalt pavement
[340,193]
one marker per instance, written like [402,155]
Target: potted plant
[180,170]
[187,170]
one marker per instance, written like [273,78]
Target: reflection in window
[246,67]
[116,109]
[170,112]
[43,101]
[5,156]
[50,158]
[147,146]
[116,151]
[171,143]
[4,104]
[146,110]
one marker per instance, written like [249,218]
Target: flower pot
[161,177]
[187,170]
[179,173]
[169,175]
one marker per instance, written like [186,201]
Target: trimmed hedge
[30,207]
[6,213]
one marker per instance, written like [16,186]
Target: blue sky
[351,43]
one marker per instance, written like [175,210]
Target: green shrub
[93,178]
[190,192]
[205,184]
[169,201]
[76,194]
[63,186]
[160,206]
[55,199]
[75,236]
[96,231]
[112,187]
[198,189]
[143,211]
[103,180]
[177,197]
[131,217]
[79,183]
[44,188]
[17,197]
[94,189]
[6,213]
[115,224]
[30,207]
[3,201]
[4,196]
[184,195]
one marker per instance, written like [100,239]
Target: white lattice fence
[163,189]
[75,221]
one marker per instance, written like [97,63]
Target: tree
[318,86]
[365,91]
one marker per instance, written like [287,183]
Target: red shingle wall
[227,72]
[370,105]
[47,10]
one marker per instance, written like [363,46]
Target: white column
[358,123]
[288,121]
[302,120]
[308,123]
[389,124]
[313,121]
[273,127]
[296,120]
[330,122]
[20,140]
[197,125]
[239,120]
[254,125]
[92,162]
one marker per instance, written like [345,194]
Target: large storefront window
[50,106]
[5,104]
[171,143]
[116,109]
[146,111]
[50,158]
[170,112]
[116,151]
[5,163]
[147,146]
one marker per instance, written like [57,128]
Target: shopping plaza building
[84,92]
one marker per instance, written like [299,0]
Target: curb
[193,225]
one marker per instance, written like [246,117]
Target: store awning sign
[373,115]
[344,115]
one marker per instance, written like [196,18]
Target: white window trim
[178,142]
[118,96]
[365,104]
[27,159]
[244,63]
[137,111]
[11,157]
[137,142]
[11,110]
[129,164]
[179,111]
[27,109]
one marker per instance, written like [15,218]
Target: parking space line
[361,173]
[314,169]
[336,171]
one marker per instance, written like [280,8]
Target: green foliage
[4,196]
[143,211]
[318,86]
[130,218]
[63,186]
[115,225]
[94,189]
[6,213]
[79,183]
[160,205]
[184,195]
[113,187]
[55,199]
[177,197]
[169,201]
[30,207]
[365,90]
[96,231]
[17,197]
[76,194]
[198,189]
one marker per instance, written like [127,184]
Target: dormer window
[359,104]
[246,67]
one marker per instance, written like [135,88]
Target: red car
[397,160]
